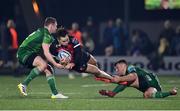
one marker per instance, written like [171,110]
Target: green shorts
[150,80]
[26,57]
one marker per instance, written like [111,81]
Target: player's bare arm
[49,56]
[130,77]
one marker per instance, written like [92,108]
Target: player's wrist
[59,65]
[72,64]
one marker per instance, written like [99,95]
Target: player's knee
[95,62]
[42,67]
[147,95]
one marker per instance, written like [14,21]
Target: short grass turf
[83,95]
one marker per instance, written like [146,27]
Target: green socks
[119,88]
[52,84]
[161,94]
[34,73]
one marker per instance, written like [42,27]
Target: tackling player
[138,78]
[34,53]
[81,61]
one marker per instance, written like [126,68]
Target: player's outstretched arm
[127,78]
[49,56]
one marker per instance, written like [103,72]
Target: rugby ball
[63,54]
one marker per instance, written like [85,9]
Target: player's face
[64,40]
[121,69]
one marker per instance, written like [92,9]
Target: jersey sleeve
[131,69]
[53,47]
[47,39]
[54,50]
[77,50]
[75,43]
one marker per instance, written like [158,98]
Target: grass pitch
[83,95]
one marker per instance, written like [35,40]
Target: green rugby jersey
[34,41]
[138,70]
[146,79]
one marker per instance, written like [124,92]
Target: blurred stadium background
[144,32]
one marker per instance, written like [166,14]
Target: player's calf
[97,72]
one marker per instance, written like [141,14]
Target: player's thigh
[155,82]
[149,92]
[40,63]
[92,60]
[92,69]
[47,72]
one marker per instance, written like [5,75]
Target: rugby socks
[119,88]
[34,73]
[161,94]
[52,84]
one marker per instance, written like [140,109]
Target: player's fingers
[72,66]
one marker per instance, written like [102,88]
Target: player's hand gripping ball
[64,57]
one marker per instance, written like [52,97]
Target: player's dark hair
[61,32]
[50,20]
[121,61]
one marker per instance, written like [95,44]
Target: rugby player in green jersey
[138,78]
[34,53]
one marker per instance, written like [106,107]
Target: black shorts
[81,63]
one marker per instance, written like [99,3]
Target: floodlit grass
[83,95]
